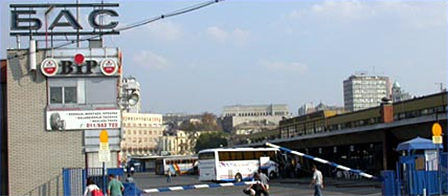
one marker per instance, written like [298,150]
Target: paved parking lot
[278,187]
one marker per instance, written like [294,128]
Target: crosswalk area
[197,186]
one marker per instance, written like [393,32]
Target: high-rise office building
[363,91]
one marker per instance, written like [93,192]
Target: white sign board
[83,119]
[437,140]
[104,152]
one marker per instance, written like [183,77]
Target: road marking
[197,186]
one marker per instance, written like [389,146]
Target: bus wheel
[272,175]
[238,177]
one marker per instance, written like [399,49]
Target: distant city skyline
[270,52]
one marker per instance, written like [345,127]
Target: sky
[272,52]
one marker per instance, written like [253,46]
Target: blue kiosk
[417,170]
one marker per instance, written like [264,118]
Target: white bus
[178,165]
[236,164]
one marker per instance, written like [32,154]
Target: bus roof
[165,157]
[237,149]
[179,157]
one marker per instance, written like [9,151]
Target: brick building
[55,113]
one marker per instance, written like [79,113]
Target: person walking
[115,187]
[129,179]
[132,170]
[298,169]
[92,188]
[264,179]
[168,175]
[317,181]
[260,185]
[256,189]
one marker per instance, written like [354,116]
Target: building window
[56,95]
[70,95]
[63,95]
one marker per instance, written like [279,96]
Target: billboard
[83,119]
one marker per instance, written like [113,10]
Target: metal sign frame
[25,21]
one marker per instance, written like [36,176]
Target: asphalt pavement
[284,187]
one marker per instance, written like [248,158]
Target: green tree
[210,140]
[208,123]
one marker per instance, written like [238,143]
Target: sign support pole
[437,140]
[104,154]
[104,177]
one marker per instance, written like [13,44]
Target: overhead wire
[135,25]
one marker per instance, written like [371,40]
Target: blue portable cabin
[418,167]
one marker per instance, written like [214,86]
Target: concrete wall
[36,156]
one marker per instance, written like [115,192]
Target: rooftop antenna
[77,19]
[440,85]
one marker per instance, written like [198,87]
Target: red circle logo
[109,67]
[79,59]
[49,67]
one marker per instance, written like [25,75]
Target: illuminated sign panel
[28,19]
[81,63]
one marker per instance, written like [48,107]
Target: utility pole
[440,85]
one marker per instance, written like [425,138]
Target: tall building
[363,91]
[306,109]
[256,110]
[141,134]
[248,119]
[131,95]
[309,108]
[398,94]
[239,114]
[55,113]
[180,142]
[141,131]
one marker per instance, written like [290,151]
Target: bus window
[232,156]
[239,155]
[207,156]
[249,155]
[224,156]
